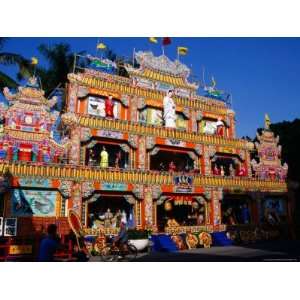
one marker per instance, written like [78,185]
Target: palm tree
[60,63]
[8,58]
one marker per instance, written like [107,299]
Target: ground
[264,251]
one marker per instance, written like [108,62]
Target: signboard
[20,249]
[183,184]
[114,186]
[10,227]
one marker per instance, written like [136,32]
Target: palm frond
[6,81]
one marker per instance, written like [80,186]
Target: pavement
[258,252]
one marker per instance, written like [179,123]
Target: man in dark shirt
[49,244]
[122,237]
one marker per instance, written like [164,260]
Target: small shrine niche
[269,165]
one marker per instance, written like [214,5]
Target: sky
[262,74]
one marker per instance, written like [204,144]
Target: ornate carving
[199,149]
[142,152]
[156,191]
[133,141]
[141,103]
[87,189]
[138,191]
[125,100]
[82,92]
[70,119]
[130,199]
[186,112]
[162,63]
[85,134]
[150,142]
[154,151]
[65,188]
[125,147]
[199,115]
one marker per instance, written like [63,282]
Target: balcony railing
[84,173]
[142,129]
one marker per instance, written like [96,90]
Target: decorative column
[74,157]
[77,199]
[217,196]
[72,99]
[148,204]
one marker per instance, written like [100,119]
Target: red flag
[166,41]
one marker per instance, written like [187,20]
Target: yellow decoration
[34,61]
[101,46]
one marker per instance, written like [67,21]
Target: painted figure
[169,110]
[104,158]
[118,159]
[172,167]
[109,107]
[220,127]
[222,172]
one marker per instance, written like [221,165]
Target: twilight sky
[262,74]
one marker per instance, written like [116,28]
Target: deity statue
[216,171]
[220,127]
[108,218]
[118,159]
[124,217]
[169,110]
[231,170]
[222,172]
[103,158]
[172,167]
[109,107]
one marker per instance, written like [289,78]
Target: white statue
[169,110]
[124,217]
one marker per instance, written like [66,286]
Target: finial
[267,122]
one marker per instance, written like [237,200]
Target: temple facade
[145,148]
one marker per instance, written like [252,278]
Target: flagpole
[133,54]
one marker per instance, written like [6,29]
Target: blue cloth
[245,215]
[47,249]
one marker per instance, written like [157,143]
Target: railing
[85,173]
[162,132]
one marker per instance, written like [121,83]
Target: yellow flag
[153,40]
[182,50]
[101,46]
[34,61]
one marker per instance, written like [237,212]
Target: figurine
[220,127]
[231,170]
[109,107]
[118,159]
[216,171]
[172,167]
[124,217]
[104,158]
[107,218]
[242,171]
[222,172]
[169,110]
[91,158]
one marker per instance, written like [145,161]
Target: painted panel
[33,203]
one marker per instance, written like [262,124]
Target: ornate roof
[161,68]
[30,94]
[162,63]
